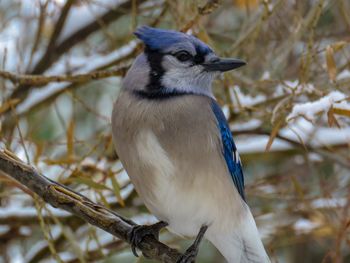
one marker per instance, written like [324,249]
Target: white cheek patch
[152,153]
[178,78]
[190,79]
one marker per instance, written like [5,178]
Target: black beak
[223,64]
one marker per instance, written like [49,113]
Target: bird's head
[179,62]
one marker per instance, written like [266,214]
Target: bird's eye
[183,56]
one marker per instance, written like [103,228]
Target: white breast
[151,153]
[168,200]
[186,198]
[153,156]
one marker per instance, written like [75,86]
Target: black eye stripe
[186,56]
[198,59]
[182,55]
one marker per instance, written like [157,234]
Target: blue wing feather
[229,149]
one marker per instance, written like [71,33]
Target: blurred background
[289,111]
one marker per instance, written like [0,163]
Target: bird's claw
[139,232]
[189,256]
[191,253]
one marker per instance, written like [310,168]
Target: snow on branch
[335,99]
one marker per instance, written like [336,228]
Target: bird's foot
[191,253]
[137,233]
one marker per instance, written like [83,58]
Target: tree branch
[56,50]
[78,78]
[58,28]
[62,197]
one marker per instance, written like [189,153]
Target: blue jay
[176,146]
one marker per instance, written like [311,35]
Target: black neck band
[160,94]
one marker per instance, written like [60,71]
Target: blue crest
[160,39]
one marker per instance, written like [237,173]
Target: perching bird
[176,146]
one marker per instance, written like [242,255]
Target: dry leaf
[116,188]
[8,104]
[89,182]
[247,3]
[274,132]
[339,45]
[343,112]
[61,161]
[332,121]
[104,200]
[297,187]
[70,137]
[331,66]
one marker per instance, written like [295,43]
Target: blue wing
[229,149]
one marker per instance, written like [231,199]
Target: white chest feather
[162,172]
[151,153]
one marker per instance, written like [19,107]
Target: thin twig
[70,41]
[206,9]
[40,80]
